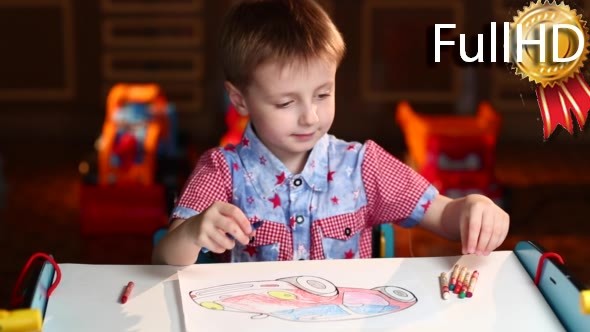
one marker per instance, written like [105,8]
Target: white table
[506,299]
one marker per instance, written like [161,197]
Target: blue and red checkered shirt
[325,212]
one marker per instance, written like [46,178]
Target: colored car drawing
[304,298]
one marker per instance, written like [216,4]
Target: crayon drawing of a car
[303,298]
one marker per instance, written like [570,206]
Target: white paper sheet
[344,295]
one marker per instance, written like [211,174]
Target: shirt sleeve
[395,192]
[209,182]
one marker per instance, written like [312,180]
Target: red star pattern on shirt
[250,200]
[251,250]
[426,205]
[350,147]
[236,166]
[331,175]
[230,147]
[292,222]
[245,141]
[276,201]
[280,178]
[349,254]
[334,199]
[262,160]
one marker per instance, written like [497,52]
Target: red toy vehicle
[455,153]
[129,189]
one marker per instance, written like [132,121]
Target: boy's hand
[483,225]
[210,228]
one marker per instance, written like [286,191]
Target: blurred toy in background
[139,166]
[455,153]
[140,127]
[236,124]
[131,121]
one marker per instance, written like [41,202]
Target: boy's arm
[481,225]
[210,229]
[209,183]
[177,247]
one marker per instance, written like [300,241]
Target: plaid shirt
[325,212]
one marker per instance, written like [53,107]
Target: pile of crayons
[462,282]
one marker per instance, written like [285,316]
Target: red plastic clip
[542,263]
[17,299]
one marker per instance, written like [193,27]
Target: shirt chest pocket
[268,244]
[341,236]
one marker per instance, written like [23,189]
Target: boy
[315,196]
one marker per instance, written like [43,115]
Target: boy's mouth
[303,136]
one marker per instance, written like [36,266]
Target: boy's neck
[296,165]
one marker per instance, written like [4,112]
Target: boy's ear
[237,98]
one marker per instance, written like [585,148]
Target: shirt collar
[266,171]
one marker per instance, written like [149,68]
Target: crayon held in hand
[255,226]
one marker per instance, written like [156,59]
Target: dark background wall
[60,57]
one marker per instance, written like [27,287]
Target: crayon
[444,287]
[127,292]
[585,301]
[472,283]
[454,277]
[465,283]
[460,280]
[255,226]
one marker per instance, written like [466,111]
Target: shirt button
[347,231]
[297,182]
[299,219]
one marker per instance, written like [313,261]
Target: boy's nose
[309,115]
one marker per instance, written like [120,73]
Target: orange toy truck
[130,188]
[455,153]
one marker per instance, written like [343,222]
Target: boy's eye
[324,95]
[284,105]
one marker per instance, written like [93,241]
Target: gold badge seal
[554,64]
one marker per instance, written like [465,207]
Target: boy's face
[291,106]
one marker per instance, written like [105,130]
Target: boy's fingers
[239,235]
[213,246]
[464,224]
[232,230]
[475,220]
[221,239]
[235,213]
[496,238]
[485,233]
[500,233]
[504,226]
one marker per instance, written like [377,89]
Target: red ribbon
[556,102]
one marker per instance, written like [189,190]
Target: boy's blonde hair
[276,30]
